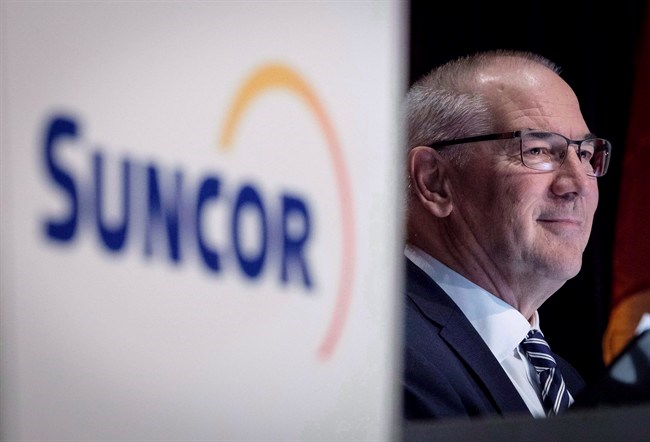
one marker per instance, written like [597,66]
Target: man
[502,191]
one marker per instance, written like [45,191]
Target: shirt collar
[501,326]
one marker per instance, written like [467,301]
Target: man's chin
[560,267]
[566,270]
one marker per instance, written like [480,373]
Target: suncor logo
[162,214]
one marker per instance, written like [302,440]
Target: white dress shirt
[501,326]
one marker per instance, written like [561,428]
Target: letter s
[64,229]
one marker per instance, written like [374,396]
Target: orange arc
[279,76]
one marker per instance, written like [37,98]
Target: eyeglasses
[546,151]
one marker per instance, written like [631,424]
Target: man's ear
[429,180]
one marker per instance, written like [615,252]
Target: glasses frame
[518,134]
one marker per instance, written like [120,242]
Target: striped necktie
[555,396]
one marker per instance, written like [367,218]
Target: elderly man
[502,175]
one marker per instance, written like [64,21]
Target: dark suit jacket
[449,370]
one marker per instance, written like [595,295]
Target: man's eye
[536,151]
[586,155]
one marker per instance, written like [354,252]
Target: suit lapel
[461,336]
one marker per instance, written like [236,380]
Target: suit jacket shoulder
[448,368]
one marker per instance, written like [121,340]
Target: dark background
[595,44]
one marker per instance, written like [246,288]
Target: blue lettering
[156,210]
[293,243]
[64,229]
[161,213]
[248,197]
[113,238]
[209,190]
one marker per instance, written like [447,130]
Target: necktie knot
[555,396]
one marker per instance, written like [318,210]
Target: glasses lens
[594,154]
[543,150]
[546,151]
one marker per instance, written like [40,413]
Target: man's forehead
[531,96]
[502,77]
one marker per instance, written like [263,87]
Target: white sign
[200,220]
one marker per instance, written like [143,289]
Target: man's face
[529,223]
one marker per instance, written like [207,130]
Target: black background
[595,44]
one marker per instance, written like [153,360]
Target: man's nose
[571,178]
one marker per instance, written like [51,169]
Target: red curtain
[631,271]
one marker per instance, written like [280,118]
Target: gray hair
[446,104]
